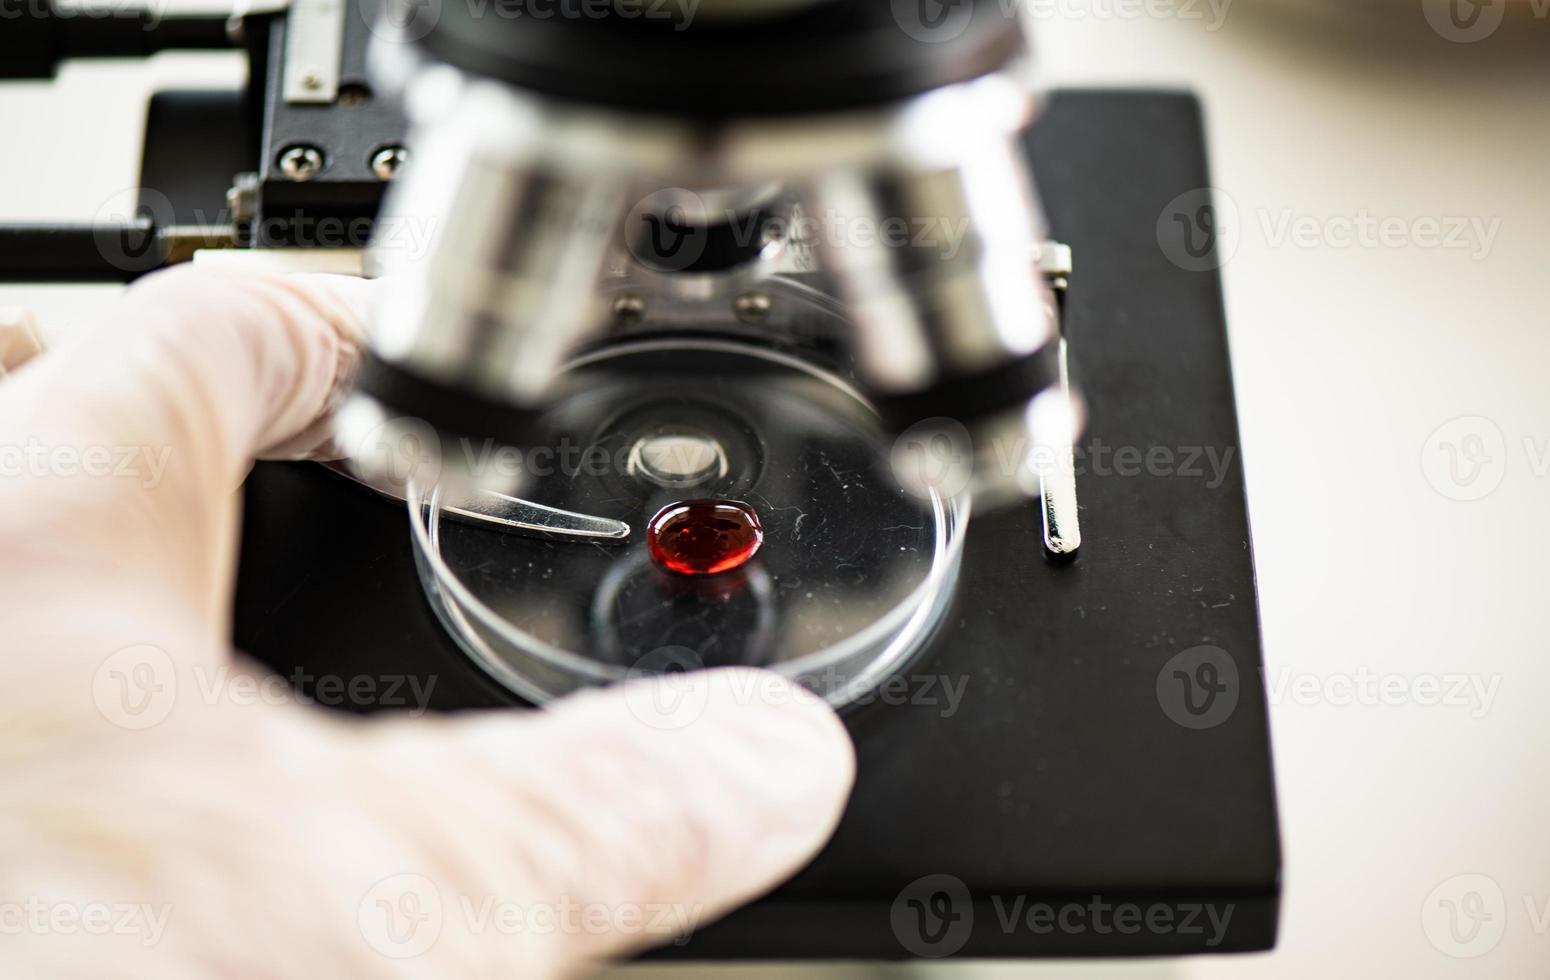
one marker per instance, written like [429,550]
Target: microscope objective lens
[704,537]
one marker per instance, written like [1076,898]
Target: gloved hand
[165,815]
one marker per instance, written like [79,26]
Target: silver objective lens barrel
[496,237]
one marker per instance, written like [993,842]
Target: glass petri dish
[850,581]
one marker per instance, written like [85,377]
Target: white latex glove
[159,821]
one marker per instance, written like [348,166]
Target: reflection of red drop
[703,537]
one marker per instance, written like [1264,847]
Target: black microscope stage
[1080,763]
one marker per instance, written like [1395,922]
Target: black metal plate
[338,207]
[1061,788]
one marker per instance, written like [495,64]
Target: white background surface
[1348,360]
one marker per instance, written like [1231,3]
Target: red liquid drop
[703,537]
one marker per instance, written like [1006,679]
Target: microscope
[663,168]
[720,333]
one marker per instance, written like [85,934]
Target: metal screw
[301,163]
[629,309]
[312,79]
[752,307]
[387,161]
